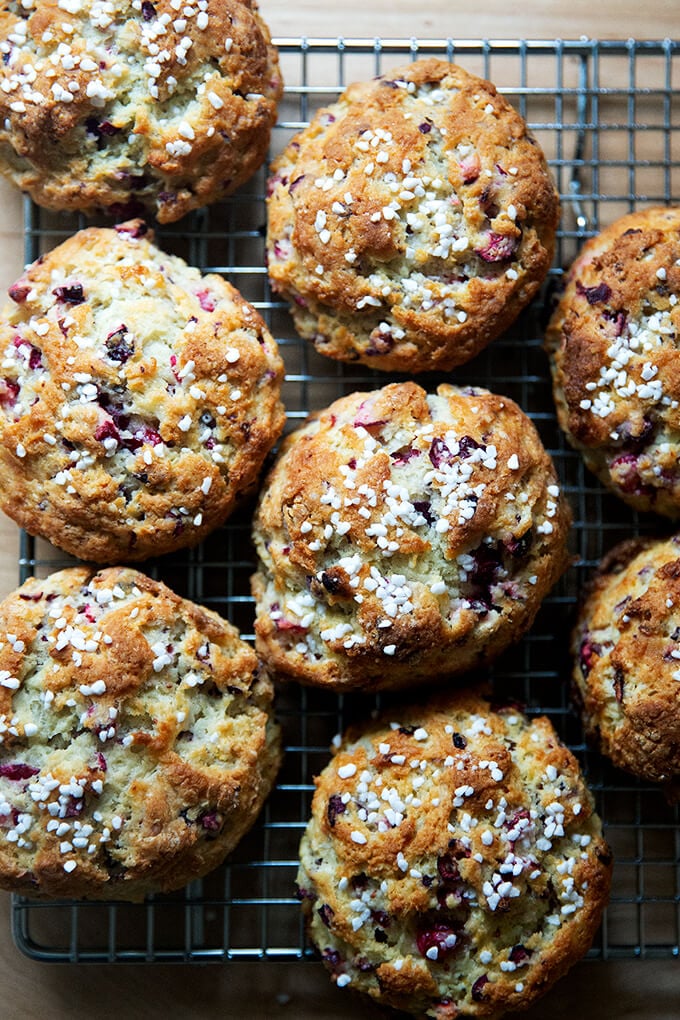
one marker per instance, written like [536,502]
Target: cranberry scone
[155,102]
[138,399]
[404,537]
[453,865]
[616,370]
[137,743]
[626,648]
[411,221]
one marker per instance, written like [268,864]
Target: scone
[137,744]
[615,362]
[403,537]
[626,649]
[103,105]
[412,221]
[138,399]
[453,865]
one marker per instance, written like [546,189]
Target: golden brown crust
[616,374]
[137,743]
[453,865]
[626,652]
[138,399]
[404,537]
[411,222]
[103,105]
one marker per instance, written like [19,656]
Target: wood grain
[625,990]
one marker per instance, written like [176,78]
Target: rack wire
[605,114]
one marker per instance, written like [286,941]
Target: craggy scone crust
[626,649]
[164,103]
[411,222]
[136,738]
[615,363]
[404,537]
[138,399]
[453,865]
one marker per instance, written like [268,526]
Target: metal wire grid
[604,114]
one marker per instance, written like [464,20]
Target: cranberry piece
[618,318]
[626,466]
[459,741]
[437,935]
[331,583]
[518,546]
[425,127]
[466,445]
[594,295]
[142,435]
[423,506]
[335,808]
[635,442]
[366,418]
[326,913]
[381,917]
[296,182]
[404,455]
[206,300]
[101,761]
[440,453]
[35,359]
[107,430]
[148,10]
[133,229]
[379,343]
[332,957]
[379,935]
[71,294]
[19,292]
[477,990]
[210,821]
[74,807]
[290,625]
[119,345]
[497,248]
[18,771]
[470,168]
[588,651]
[447,867]
[518,954]
[9,391]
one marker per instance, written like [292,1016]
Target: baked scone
[411,222]
[138,399]
[161,103]
[615,362]
[626,648]
[453,865]
[404,537]
[137,744]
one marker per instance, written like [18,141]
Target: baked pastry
[137,742]
[453,865]
[615,364]
[412,221]
[626,647]
[404,537]
[138,399]
[103,105]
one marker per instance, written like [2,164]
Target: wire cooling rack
[606,115]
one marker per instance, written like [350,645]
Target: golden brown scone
[138,399]
[626,649]
[453,865]
[411,222]
[616,370]
[107,104]
[403,537]
[136,739]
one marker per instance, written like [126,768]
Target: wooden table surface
[593,991]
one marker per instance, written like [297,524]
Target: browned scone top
[453,865]
[404,537]
[615,362]
[626,649]
[152,101]
[136,739]
[411,222]
[138,399]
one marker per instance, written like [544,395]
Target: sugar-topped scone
[616,368]
[138,399]
[137,744]
[403,537]
[626,648]
[411,222]
[148,101]
[453,865]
